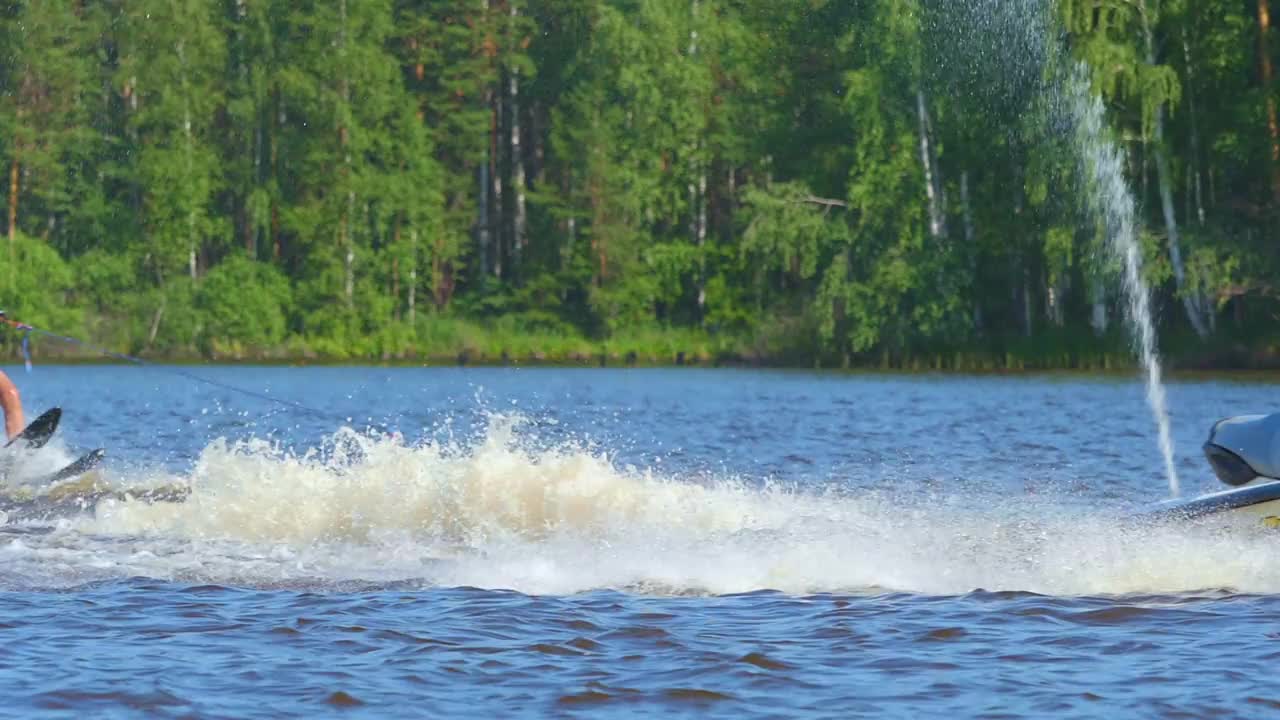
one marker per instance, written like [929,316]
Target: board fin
[39,431]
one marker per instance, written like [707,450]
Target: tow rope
[27,330]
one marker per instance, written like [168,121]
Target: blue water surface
[522,542]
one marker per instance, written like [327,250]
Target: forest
[856,183]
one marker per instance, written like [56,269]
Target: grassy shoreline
[705,354]
[457,341]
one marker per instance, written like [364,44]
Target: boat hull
[1260,501]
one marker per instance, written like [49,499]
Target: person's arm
[11,403]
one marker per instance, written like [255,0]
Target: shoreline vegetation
[464,343]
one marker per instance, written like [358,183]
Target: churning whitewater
[508,512]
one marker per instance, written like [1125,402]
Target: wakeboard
[38,433]
[79,466]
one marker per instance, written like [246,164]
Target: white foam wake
[566,519]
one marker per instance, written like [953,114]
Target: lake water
[628,543]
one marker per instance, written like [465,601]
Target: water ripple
[645,544]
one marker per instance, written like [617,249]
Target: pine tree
[45,121]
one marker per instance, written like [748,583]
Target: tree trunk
[968,208]
[344,91]
[395,289]
[1273,126]
[698,228]
[1191,300]
[252,220]
[730,205]
[1143,161]
[698,186]
[1195,186]
[497,210]
[13,200]
[932,180]
[437,274]
[536,124]
[188,156]
[571,224]
[155,319]
[1026,302]
[413,279]
[1099,320]
[970,243]
[702,239]
[395,268]
[1213,186]
[517,164]
[249,220]
[13,221]
[598,244]
[482,214]
[277,248]
[482,180]
[277,122]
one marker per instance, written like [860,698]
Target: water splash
[1110,199]
[1009,56]
[509,512]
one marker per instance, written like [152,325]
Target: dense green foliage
[856,181]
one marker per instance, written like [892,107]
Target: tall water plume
[1008,56]
[1111,200]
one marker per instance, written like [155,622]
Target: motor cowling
[1242,449]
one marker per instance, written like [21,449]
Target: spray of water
[1007,55]
[1111,200]
[511,512]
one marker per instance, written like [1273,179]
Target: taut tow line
[27,331]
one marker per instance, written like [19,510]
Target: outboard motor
[1244,448]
